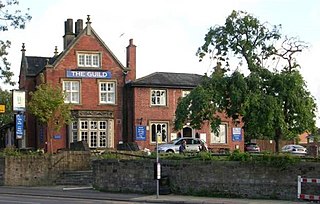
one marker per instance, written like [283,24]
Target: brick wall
[206,178]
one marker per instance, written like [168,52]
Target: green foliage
[12,151]
[47,104]
[272,104]
[10,16]
[274,160]
[242,35]
[6,99]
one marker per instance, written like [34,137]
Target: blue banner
[141,133]
[88,74]
[19,126]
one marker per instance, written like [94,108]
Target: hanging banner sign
[19,126]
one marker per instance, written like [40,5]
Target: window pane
[88,60]
[103,139]
[95,60]
[71,90]
[158,97]
[107,92]
[84,136]
[103,86]
[93,139]
[102,125]
[220,138]
[159,129]
[67,85]
[75,86]
[81,60]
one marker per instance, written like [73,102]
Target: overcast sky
[167,33]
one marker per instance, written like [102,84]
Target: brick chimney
[131,60]
[68,35]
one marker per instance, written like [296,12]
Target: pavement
[88,192]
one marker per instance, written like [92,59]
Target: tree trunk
[277,139]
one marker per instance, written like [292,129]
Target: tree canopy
[272,100]
[6,99]
[47,104]
[10,17]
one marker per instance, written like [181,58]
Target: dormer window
[89,60]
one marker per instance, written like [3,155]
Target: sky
[167,33]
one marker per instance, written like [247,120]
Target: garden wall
[208,178]
[37,170]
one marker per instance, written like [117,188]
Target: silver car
[193,144]
[294,149]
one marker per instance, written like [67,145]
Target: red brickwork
[142,109]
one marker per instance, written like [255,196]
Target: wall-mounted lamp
[236,122]
[139,120]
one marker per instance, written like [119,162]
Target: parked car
[251,147]
[173,146]
[294,149]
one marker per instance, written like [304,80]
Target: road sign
[2,108]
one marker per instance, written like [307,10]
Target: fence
[307,196]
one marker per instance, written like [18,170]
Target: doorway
[187,132]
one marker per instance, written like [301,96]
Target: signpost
[157,166]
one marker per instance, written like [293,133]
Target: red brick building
[154,101]
[108,104]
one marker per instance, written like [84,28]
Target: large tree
[10,16]
[272,100]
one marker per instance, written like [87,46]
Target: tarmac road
[68,195]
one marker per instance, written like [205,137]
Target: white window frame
[222,137]
[89,60]
[93,131]
[185,93]
[107,96]
[71,95]
[160,128]
[158,97]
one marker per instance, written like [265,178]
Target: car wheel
[170,151]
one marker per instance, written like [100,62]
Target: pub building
[109,105]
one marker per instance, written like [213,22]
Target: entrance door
[187,132]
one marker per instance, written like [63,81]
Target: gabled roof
[76,39]
[169,80]
[36,64]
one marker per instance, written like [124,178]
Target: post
[299,186]
[157,162]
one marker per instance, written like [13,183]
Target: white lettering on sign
[89,74]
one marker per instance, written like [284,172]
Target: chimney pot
[69,26]
[69,34]
[78,26]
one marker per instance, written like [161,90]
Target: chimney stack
[68,35]
[78,26]
[131,60]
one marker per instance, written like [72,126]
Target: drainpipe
[124,108]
